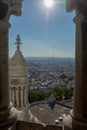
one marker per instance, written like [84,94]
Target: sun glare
[48,3]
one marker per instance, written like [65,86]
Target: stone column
[7,113]
[26,87]
[13,97]
[4,91]
[77,120]
[27,94]
[22,97]
[17,98]
[25,97]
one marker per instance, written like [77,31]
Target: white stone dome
[18,66]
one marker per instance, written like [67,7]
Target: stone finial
[18,42]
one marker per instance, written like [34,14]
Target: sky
[44,31]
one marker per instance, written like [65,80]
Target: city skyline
[44,31]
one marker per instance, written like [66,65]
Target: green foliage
[59,93]
[34,96]
[64,92]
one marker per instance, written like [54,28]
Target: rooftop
[50,117]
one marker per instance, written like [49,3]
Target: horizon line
[44,57]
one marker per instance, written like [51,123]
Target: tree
[59,93]
[34,96]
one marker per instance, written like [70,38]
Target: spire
[18,42]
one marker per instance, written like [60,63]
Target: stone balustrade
[21,125]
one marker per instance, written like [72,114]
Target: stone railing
[21,125]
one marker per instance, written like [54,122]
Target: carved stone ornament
[15,82]
[79,5]
[8,7]
[69,5]
[3,10]
[14,8]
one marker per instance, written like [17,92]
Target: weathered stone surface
[78,117]
[28,126]
[53,127]
[34,126]
[79,5]
[4,92]
[8,114]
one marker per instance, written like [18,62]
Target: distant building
[18,79]
[18,82]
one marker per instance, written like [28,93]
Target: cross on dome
[18,42]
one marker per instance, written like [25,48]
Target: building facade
[18,78]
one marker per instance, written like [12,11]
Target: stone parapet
[21,125]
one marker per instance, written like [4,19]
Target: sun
[48,3]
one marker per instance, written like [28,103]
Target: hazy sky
[43,31]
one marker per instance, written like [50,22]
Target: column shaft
[4,88]
[22,98]
[24,95]
[17,98]
[80,102]
[12,96]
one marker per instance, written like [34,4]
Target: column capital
[10,7]
[14,8]
[79,6]
[78,18]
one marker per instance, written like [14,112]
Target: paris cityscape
[43,88]
[49,97]
[47,76]
[47,73]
